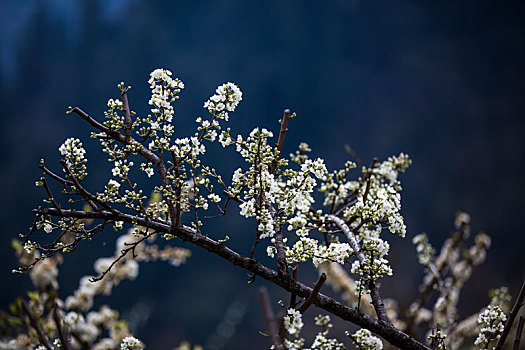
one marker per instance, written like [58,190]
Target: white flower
[119,224]
[114,184]
[491,319]
[226,99]
[364,340]
[129,343]
[214,198]
[293,321]
[48,228]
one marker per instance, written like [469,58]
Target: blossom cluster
[379,200]
[225,99]
[492,321]
[73,153]
[425,252]
[293,324]
[293,321]
[130,343]
[364,340]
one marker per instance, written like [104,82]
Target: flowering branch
[277,192]
[62,335]
[374,293]
[36,326]
[387,331]
[513,313]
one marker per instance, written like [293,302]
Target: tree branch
[269,318]
[519,330]
[280,141]
[374,293]
[127,115]
[513,313]
[142,150]
[385,330]
[66,344]
[315,291]
[36,326]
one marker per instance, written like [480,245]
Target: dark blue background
[440,81]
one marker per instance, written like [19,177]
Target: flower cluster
[437,340]
[364,340]
[75,161]
[293,321]
[130,343]
[378,200]
[492,321]
[225,99]
[309,249]
[164,90]
[293,324]
[425,252]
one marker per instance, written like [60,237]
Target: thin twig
[55,176]
[368,176]
[127,115]
[280,141]
[89,197]
[36,326]
[374,293]
[123,253]
[314,293]
[64,339]
[295,272]
[519,330]
[48,190]
[269,318]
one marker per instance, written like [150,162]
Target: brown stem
[367,176]
[513,313]
[36,326]
[89,197]
[269,318]
[519,330]
[315,291]
[51,198]
[55,176]
[280,141]
[282,265]
[295,272]
[127,115]
[64,339]
[178,190]
[374,293]
[142,150]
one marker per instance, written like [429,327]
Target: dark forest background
[441,81]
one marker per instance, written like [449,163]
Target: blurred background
[441,81]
